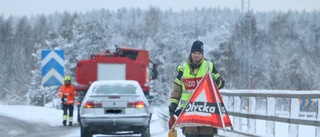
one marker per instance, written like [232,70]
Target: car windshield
[114,89]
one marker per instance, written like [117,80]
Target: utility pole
[244,44]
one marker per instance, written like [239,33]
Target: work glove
[220,83]
[172,108]
[64,99]
[171,121]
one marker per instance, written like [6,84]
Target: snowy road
[11,127]
[32,121]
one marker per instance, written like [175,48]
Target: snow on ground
[53,117]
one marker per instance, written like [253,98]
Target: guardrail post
[293,120]
[294,113]
[236,108]
[270,112]
[252,110]
[318,118]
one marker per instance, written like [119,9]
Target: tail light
[138,104]
[93,104]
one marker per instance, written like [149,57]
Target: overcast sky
[33,7]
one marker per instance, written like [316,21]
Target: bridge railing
[248,106]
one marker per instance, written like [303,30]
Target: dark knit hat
[197,46]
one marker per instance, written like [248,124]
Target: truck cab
[123,64]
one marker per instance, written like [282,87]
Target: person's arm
[217,78]
[60,92]
[75,93]
[176,93]
[177,87]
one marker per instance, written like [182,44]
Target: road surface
[10,127]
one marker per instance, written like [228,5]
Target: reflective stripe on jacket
[190,80]
[69,92]
[187,80]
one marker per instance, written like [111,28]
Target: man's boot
[70,120]
[64,122]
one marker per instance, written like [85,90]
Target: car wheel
[145,132]
[84,132]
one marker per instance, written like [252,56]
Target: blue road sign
[52,67]
[308,102]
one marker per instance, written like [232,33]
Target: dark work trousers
[65,108]
[200,135]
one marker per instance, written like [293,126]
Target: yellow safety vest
[190,81]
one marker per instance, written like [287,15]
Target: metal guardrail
[271,93]
[278,119]
[270,96]
[165,118]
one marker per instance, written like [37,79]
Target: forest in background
[266,50]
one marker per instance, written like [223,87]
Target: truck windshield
[129,54]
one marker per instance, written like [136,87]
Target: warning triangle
[204,108]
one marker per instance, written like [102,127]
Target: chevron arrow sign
[52,67]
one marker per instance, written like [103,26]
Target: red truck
[123,64]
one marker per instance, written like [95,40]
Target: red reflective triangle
[205,107]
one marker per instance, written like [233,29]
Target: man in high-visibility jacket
[189,76]
[67,93]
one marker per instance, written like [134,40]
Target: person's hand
[171,121]
[178,112]
[63,96]
[172,108]
[63,99]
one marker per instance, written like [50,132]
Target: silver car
[112,106]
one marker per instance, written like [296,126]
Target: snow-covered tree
[269,50]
